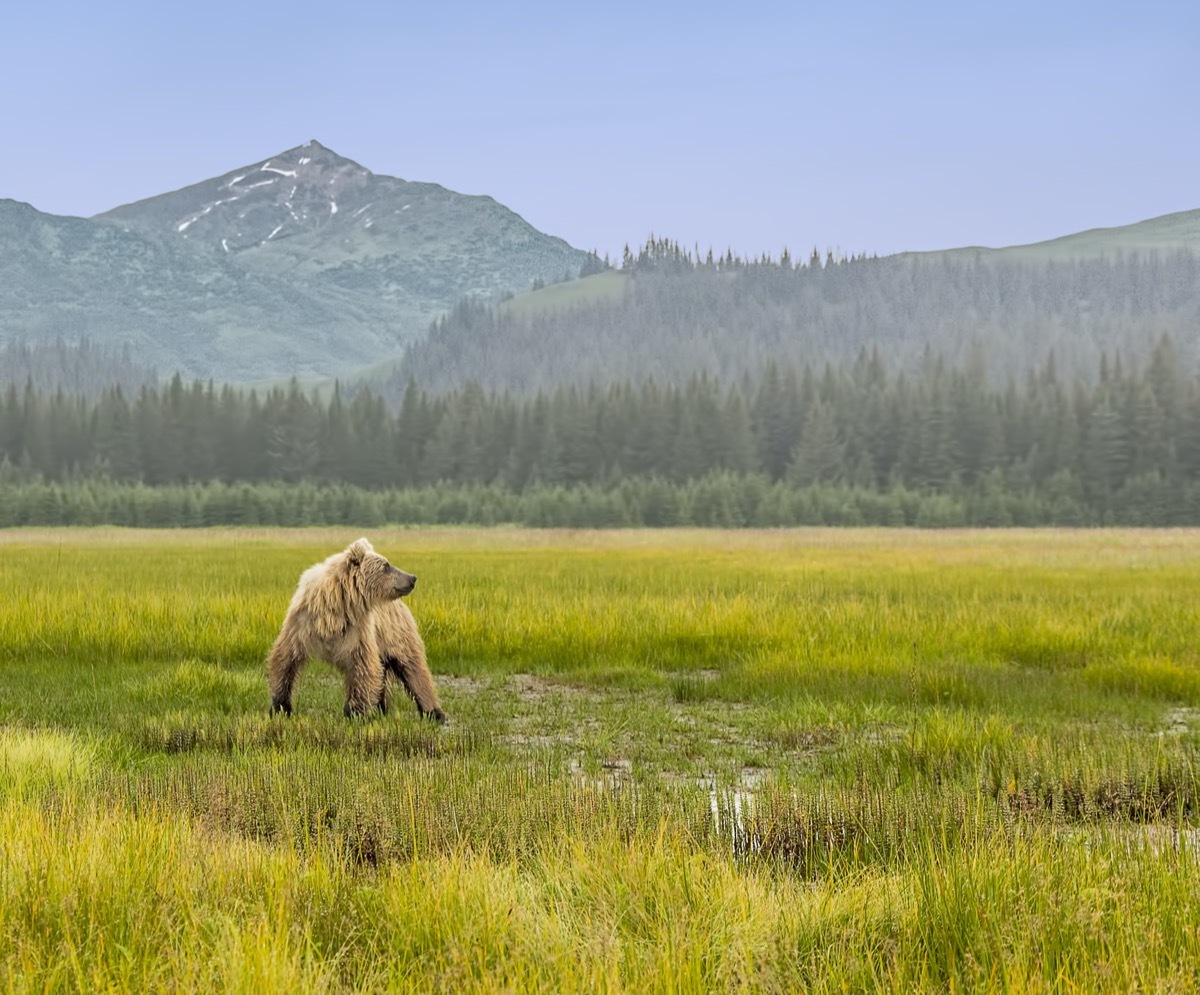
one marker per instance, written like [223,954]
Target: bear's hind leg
[286,658]
[385,695]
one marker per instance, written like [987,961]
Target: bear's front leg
[364,679]
[413,673]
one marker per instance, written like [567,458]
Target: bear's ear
[358,550]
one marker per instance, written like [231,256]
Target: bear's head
[372,577]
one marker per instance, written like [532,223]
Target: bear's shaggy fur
[346,611]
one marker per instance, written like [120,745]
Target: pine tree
[116,446]
[818,457]
[1105,452]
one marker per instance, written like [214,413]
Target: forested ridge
[80,367]
[1123,445]
[677,315]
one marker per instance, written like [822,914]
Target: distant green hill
[1167,233]
[302,264]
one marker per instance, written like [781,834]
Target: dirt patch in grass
[531,687]
[1178,721]
[461,684]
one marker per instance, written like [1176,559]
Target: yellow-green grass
[677,761]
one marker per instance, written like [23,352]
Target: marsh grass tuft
[180,732]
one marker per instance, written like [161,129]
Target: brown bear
[347,612]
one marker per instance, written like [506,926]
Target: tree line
[720,499]
[1092,448]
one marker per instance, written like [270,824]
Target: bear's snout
[404,582]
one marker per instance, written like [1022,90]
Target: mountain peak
[301,189]
[314,147]
[312,153]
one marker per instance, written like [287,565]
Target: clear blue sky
[863,126]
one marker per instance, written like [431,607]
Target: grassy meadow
[680,761]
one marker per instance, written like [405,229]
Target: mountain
[305,264]
[172,307]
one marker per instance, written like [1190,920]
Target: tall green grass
[677,761]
